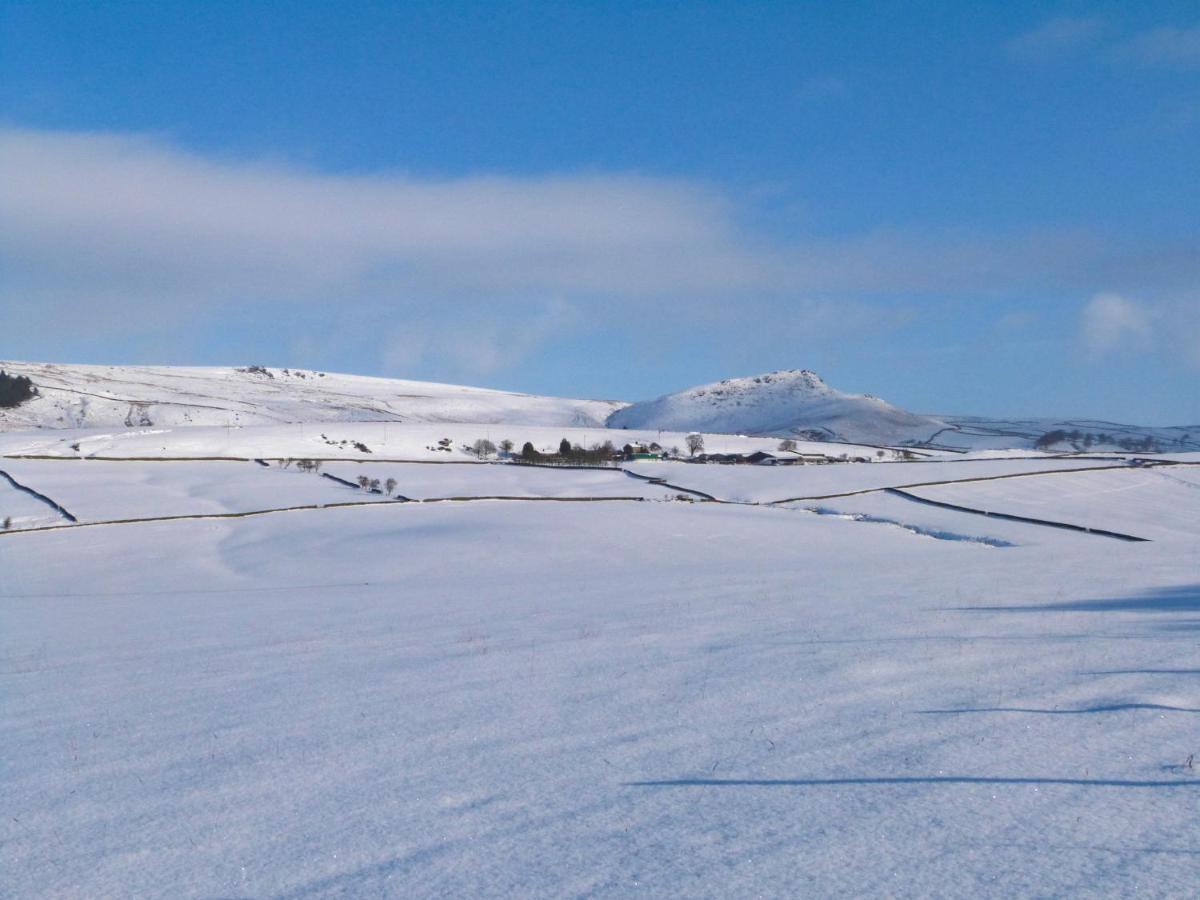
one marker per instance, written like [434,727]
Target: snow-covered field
[97,490]
[23,510]
[1160,503]
[426,481]
[859,696]
[768,484]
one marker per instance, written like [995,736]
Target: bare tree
[373,485]
[695,443]
[506,445]
[364,482]
[390,486]
[483,448]
[787,445]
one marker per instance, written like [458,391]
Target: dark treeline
[1085,440]
[15,389]
[572,454]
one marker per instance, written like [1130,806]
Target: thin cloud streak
[1057,37]
[1167,47]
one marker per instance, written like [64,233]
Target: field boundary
[662,482]
[314,506]
[1028,520]
[896,490]
[57,507]
[919,484]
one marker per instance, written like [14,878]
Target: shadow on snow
[1185,598]
[930,779]
[1111,707]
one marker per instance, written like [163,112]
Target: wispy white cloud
[1166,47]
[1116,324]
[1057,37]
[119,205]
[122,235]
[1111,322]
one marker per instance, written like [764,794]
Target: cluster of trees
[576,454]
[600,454]
[571,454]
[304,465]
[1086,440]
[372,485]
[15,389]
[483,448]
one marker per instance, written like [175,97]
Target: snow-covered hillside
[77,396]
[795,402]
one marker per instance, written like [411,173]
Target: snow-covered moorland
[959,676]
[787,404]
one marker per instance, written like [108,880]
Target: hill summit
[787,403]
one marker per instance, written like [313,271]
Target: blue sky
[961,207]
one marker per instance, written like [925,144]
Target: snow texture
[556,699]
[770,484]
[862,695]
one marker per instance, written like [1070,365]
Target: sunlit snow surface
[516,698]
